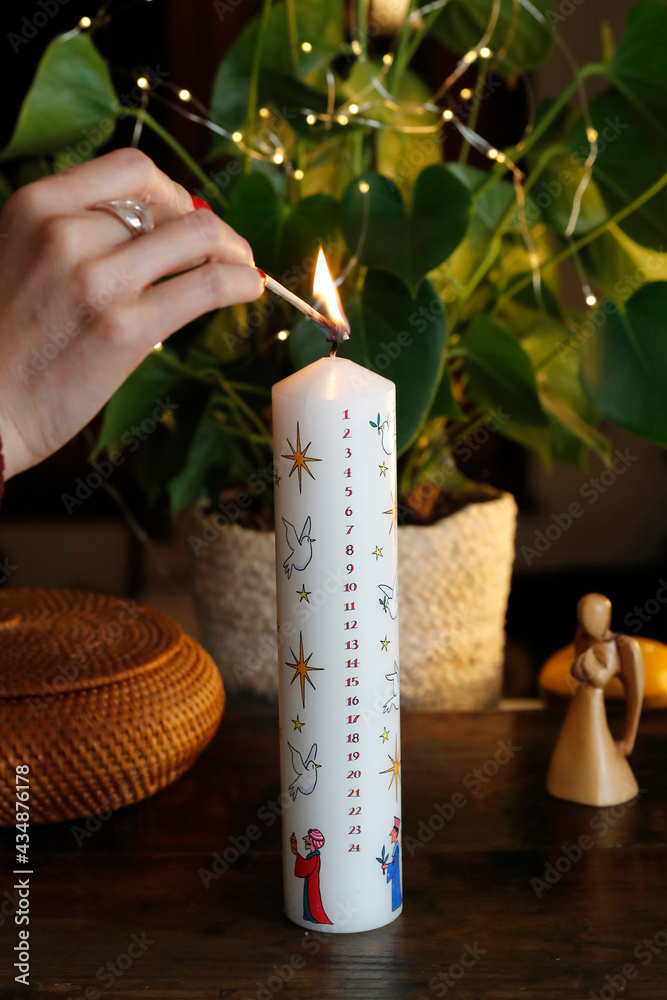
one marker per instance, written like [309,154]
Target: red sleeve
[303,867]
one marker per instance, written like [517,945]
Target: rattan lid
[70,640]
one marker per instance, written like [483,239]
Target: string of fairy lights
[375,107]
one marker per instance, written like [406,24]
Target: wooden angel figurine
[587,766]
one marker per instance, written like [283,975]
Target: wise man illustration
[308,868]
[393,867]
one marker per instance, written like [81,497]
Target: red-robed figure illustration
[308,868]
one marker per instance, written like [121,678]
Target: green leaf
[619,266]
[523,30]
[408,246]
[630,160]
[139,397]
[321,24]
[638,67]
[312,223]
[444,402]
[209,449]
[400,337]
[624,363]
[552,196]
[499,372]
[572,418]
[256,212]
[71,101]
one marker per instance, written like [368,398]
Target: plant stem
[362,34]
[474,115]
[420,35]
[499,170]
[496,239]
[177,148]
[583,241]
[293,33]
[256,66]
[401,58]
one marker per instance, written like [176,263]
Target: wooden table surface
[120,910]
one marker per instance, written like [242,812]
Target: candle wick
[332,352]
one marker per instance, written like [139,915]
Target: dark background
[115,543]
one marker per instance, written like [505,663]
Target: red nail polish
[200,203]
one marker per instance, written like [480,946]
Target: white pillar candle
[337,576]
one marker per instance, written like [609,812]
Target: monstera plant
[324,133]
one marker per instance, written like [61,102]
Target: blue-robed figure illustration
[393,867]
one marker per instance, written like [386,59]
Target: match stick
[335,332]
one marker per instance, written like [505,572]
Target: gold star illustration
[385,735]
[303,594]
[393,510]
[298,456]
[394,769]
[383,469]
[301,669]
[377,552]
[298,724]
[385,643]
[276,479]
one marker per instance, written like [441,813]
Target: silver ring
[136,215]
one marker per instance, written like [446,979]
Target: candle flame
[324,288]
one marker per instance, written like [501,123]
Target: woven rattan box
[104,700]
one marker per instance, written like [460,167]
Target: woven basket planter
[105,701]
[454,582]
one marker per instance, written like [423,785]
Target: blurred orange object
[556,681]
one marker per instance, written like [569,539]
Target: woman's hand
[78,305]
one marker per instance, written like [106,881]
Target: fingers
[166,307]
[124,173]
[177,245]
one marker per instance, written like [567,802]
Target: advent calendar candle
[337,576]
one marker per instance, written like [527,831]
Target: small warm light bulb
[282,334]
[387,59]
[501,157]
[264,112]
[591,134]
[466,93]
[278,157]
[356,47]
[364,187]
[85,22]
[447,115]
[298,174]
[237,136]
[185,95]
[591,299]
[470,57]
[354,108]
[311,119]
[492,153]
[142,82]
[158,346]
[485,52]
[306,47]
[342,119]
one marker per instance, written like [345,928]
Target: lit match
[337,328]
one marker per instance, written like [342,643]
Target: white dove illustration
[390,600]
[306,773]
[393,701]
[301,549]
